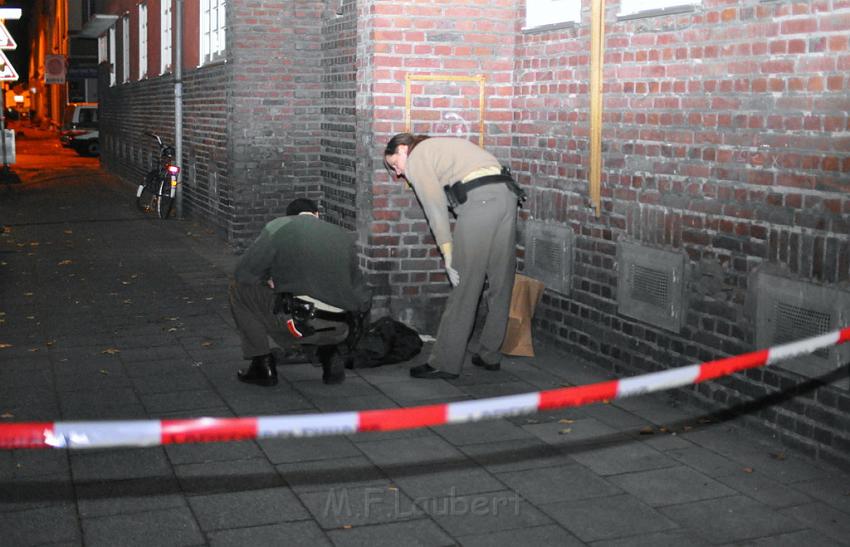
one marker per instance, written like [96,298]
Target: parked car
[79,119]
[86,144]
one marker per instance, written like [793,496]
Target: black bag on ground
[386,341]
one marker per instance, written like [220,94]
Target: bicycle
[156,193]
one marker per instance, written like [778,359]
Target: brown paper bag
[526,295]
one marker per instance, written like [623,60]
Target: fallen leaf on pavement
[778,455]
[206,344]
[65,262]
[565,431]
[646,430]
[7,415]
[104,372]
[4,346]
[111,351]
[747,470]
[566,421]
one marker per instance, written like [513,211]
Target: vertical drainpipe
[178,101]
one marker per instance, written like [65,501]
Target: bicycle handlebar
[157,137]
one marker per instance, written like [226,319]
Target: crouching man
[299,283]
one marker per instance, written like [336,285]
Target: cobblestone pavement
[106,313]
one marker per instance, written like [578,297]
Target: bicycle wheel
[146,195]
[164,199]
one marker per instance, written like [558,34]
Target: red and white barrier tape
[107,434]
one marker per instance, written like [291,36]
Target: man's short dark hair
[301,205]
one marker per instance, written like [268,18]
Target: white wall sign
[54,69]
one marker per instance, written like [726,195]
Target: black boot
[333,365]
[262,371]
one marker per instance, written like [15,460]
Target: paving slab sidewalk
[106,313]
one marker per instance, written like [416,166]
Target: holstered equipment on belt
[301,312]
[456,193]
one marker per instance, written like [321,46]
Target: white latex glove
[454,276]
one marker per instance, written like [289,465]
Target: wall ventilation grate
[788,310]
[794,323]
[650,285]
[549,255]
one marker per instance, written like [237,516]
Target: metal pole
[178,101]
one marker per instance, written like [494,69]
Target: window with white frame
[212,29]
[165,36]
[102,48]
[113,58]
[125,49]
[541,13]
[143,40]
[632,7]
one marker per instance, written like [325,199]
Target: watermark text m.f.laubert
[390,503]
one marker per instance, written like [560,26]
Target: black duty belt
[320,313]
[456,194]
[304,310]
[485,180]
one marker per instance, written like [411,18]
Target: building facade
[55,30]
[723,219]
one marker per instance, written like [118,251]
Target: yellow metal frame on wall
[597,39]
[481,79]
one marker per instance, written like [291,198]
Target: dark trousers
[252,307]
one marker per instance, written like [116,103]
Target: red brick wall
[338,135]
[725,137]
[274,108]
[464,38]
